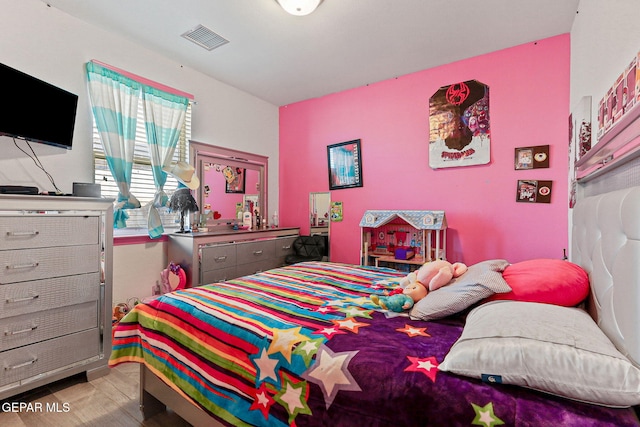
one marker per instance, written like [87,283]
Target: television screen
[35,110]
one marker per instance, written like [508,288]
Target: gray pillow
[479,282]
[558,350]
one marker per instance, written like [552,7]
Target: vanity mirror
[230,180]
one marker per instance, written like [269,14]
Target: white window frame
[142,184]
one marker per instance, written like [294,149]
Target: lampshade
[299,7]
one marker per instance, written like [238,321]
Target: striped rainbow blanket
[303,346]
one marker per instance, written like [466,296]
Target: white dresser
[55,289]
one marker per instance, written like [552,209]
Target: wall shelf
[619,145]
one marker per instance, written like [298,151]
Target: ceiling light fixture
[299,7]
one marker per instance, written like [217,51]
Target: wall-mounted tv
[36,110]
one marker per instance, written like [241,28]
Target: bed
[303,345]
[533,343]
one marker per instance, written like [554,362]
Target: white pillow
[558,350]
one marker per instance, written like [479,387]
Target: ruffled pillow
[479,282]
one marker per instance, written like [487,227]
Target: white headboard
[606,243]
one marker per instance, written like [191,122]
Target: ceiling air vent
[204,37]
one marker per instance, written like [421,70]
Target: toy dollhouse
[402,239]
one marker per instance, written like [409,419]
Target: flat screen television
[36,110]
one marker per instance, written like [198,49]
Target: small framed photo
[532,157]
[345,165]
[533,191]
[237,184]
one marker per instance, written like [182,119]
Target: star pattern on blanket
[337,302]
[284,340]
[412,331]
[325,309]
[293,397]
[331,373]
[329,331]
[349,324]
[308,349]
[353,311]
[262,401]
[266,367]
[428,366]
[485,416]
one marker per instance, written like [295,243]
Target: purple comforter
[302,346]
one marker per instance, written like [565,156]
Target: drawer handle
[221,258]
[257,252]
[21,365]
[19,266]
[22,233]
[22,299]
[22,331]
[286,247]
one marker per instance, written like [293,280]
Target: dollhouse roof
[422,220]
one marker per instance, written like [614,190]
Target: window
[142,185]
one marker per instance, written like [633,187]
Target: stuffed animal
[398,302]
[438,273]
[119,311]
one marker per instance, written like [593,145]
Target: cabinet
[384,231]
[223,255]
[55,289]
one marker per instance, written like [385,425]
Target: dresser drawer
[254,251]
[217,257]
[33,264]
[284,247]
[30,297]
[218,275]
[22,232]
[255,267]
[35,327]
[36,359]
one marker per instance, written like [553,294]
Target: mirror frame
[200,153]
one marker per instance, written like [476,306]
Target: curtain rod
[146,81]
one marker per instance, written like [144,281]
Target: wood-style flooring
[111,400]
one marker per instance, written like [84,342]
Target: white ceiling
[344,44]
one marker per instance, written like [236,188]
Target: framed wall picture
[532,157]
[237,184]
[345,165]
[533,191]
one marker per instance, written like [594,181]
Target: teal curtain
[164,116]
[114,102]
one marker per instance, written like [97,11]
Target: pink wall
[221,201]
[529,105]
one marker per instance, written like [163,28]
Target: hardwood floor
[110,401]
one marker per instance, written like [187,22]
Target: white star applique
[330,372]
[266,367]
[309,347]
[293,397]
[262,399]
